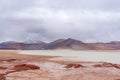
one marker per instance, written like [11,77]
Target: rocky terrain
[25,67]
[60,44]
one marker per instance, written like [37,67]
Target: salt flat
[94,56]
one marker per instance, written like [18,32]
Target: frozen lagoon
[93,56]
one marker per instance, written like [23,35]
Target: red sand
[27,67]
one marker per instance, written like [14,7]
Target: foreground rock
[23,67]
[73,66]
[107,65]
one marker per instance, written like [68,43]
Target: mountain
[114,45]
[68,44]
[60,44]
[22,46]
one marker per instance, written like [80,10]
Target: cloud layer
[46,20]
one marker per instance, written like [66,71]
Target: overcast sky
[48,20]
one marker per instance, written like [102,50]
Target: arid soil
[15,66]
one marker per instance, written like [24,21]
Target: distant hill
[22,46]
[68,44]
[60,44]
[114,45]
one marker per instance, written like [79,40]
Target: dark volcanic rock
[73,66]
[107,65]
[11,60]
[23,67]
[104,65]
[8,60]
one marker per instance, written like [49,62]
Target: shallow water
[105,56]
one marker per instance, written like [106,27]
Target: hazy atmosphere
[47,20]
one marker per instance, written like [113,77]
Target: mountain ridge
[60,44]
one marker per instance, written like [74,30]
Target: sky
[48,20]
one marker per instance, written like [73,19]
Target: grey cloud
[82,4]
[86,20]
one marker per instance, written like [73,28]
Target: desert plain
[16,66]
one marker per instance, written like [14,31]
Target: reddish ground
[15,66]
